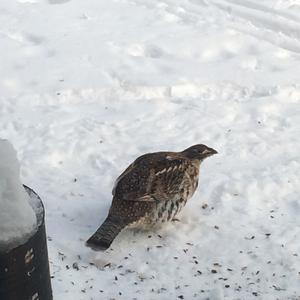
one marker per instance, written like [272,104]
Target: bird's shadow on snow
[132,241]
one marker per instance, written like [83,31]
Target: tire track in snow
[279,29]
[262,8]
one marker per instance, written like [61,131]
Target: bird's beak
[213,151]
[209,152]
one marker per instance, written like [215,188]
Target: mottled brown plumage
[152,190]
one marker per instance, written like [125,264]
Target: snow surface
[17,218]
[87,86]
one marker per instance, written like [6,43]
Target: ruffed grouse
[152,190]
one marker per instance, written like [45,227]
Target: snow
[87,86]
[17,218]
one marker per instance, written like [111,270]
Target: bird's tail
[106,233]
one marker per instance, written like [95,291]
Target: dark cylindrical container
[24,270]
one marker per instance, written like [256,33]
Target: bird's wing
[149,178]
[128,169]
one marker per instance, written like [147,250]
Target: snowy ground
[87,86]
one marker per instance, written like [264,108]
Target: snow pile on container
[17,218]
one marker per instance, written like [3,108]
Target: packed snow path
[87,86]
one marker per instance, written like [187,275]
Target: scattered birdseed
[75,266]
[107,265]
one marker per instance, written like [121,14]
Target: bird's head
[199,152]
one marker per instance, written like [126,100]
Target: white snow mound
[17,218]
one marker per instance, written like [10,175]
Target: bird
[151,191]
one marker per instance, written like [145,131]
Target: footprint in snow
[58,1]
[140,50]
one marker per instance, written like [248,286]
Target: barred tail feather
[105,234]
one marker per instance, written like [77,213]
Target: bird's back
[158,184]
